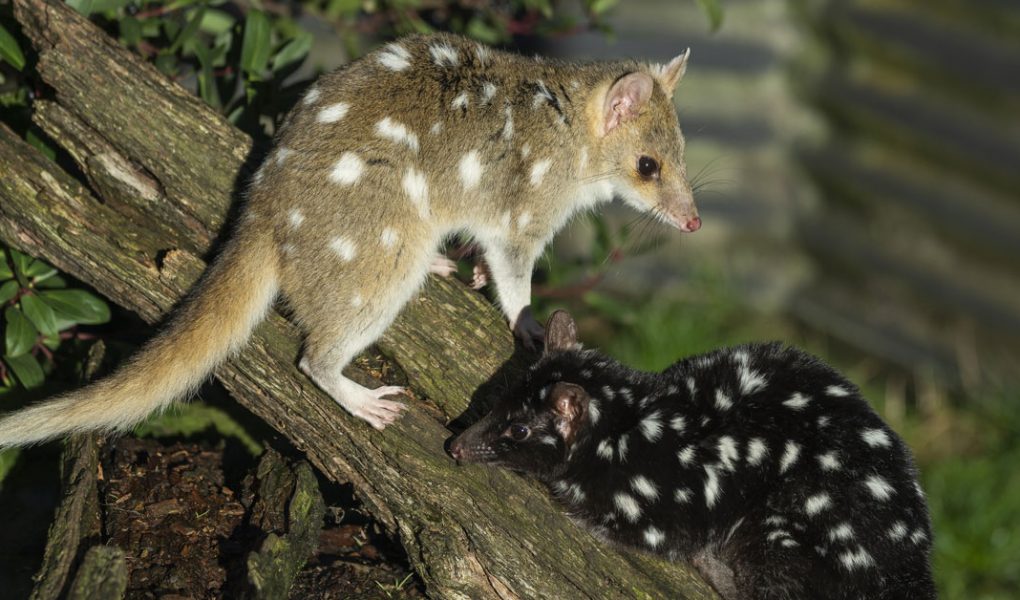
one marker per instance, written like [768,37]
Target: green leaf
[37,269]
[8,290]
[10,51]
[600,7]
[216,22]
[5,268]
[293,51]
[207,87]
[84,7]
[130,31]
[39,144]
[40,314]
[26,368]
[21,334]
[713,10]
[189,30]
[484,32]
[20,262]
[255,46]
[51,341]
[55,282]
[78,305]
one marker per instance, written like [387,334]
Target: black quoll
[759,464]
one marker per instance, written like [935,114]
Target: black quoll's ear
[570,404]
[560,332]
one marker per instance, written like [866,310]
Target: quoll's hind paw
[528,330]
[442,266]
[479,276]
[378,412]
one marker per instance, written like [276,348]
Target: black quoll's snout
[456,449]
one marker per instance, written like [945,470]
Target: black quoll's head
[642,145]
[534,427]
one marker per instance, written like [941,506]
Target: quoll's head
[533,428]
[642,144]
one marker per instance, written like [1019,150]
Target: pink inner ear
[625,99]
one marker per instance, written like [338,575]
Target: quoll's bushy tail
[216,320]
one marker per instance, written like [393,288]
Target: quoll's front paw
[479,276]
[378,412]
[528,330]
[442,266]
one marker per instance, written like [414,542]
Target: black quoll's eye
[519,432]
[648,167]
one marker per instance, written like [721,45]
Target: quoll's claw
[378,412]
[442,266]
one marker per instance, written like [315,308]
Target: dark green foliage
[40,312]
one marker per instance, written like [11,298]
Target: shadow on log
[166,168]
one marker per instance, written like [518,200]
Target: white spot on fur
[876,438]
[823,421]
[444,55]
[483,54]
[879,487]
[654,537]
[712,491]
[333,112]
[344,248]
[856,560]
[776,534]
[296,218]
[756,451]
[678,423]
[628,506]
[837,390]
[395,57]
[594,411]
[396,132]
[582,159]
[436,128]
[829,461]
[575,494]
[488,92]
[417,190]
[728,454]
[388,237]
[504,220]
[645,487]
[621,447]
[692,386]
[918,536]
[282,154]
[682,495]
[651,426]
[357,301]
[898,531]
[722,401]
[508,125]
[347,170]
[548,440]
[312,95]
[460,102]
[538,171]
[775,520]
[605,449]
[797,401]
[523,220]
[541,96]
[789,456]
[686,455]
[750,381]
[470,170]
[817,503]
[843,531]
[789,543]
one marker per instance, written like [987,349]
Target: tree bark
[162,170]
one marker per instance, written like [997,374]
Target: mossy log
[161,170]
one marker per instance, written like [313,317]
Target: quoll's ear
[560,332]
[670,74]
[570,403]
[625,100]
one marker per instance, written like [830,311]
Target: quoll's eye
[519,432]
[648,167]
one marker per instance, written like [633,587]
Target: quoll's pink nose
[456,450]
[694,224]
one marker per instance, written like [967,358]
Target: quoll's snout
[456,449]
[692,225]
